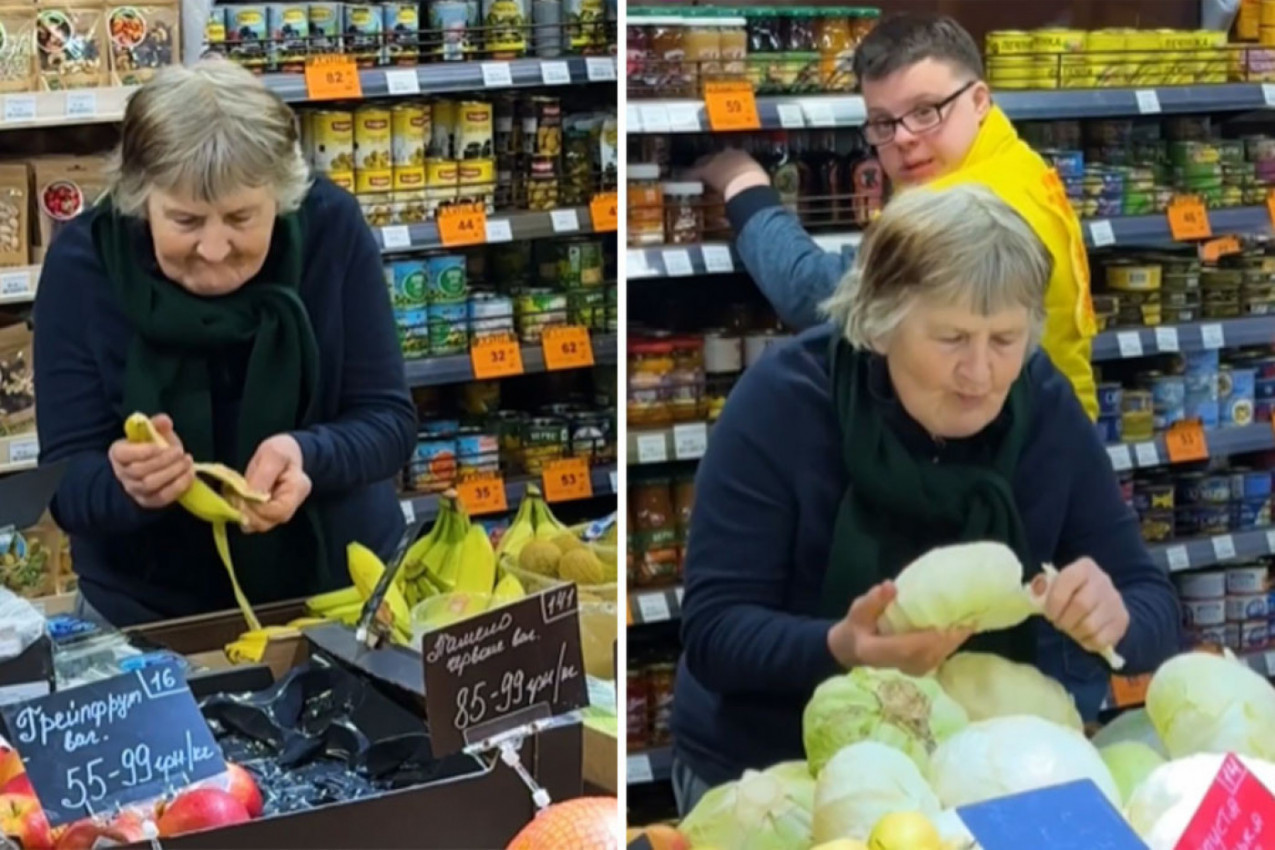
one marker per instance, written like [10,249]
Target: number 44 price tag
[463,224]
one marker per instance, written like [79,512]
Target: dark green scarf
[179,338]
[900,504]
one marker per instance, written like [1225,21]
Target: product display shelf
[1197,552]
[656,605]
[63,108]
[793,112]
[712,257]
[654,765]
[448,77]
[685,441]
[501,227]
[1222,442]
[1152,231]
[423,507]
[458,368]
[1125,343]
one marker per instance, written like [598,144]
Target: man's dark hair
[901,41]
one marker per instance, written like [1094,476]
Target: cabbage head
[1205,703]
[763,810]
[910,714]
[1130,763]
[1162,806]
[1009,755]
[1131,726]
[989,686]
[861,784]
[974,585]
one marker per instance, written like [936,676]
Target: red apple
[22,818]
[20,784]
[244,789]
[10,766]
[203,808]
[85,834]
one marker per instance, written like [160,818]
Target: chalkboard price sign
[511,665]
[122,740]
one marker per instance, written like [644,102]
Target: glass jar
[765,45]
[703,47]
[683,498]
[734,39]
[637,45]
[799,34]
[654,531]
[637,710]
[660,685]
[835,36]
[669,75]
[650,363]
[683,213]
[645,205]
[686,381]
[863,21]
[798,68]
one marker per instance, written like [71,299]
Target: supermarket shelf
[791,112]
[1197,336]
[1179,555]
[424,507]
[64,108]
[1149,231]
[650,766]
[655,606]
[1222,442]
[681,261]
[687,441]
[501,227]
[458,368]
[443,77]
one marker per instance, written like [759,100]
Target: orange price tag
[1188,219]
[1129,691]
[496,357]
[332,77]
[603,210]
[567,479]
[567,347]
[1270,206]
[731,106]
[463,224]
[1215,249]
[628,613]
[1186,443]
[483,494]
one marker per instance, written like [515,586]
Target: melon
[586,823]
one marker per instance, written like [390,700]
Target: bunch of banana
[455,556]
[534,521]
[205,503]
[343,606]
[366,570]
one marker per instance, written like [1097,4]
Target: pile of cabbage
[981,727]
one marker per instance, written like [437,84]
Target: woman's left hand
[276,468]
[1083,604]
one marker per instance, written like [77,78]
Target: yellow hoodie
[1019,177]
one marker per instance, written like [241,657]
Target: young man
[931,120]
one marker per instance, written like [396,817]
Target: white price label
[601,69]
[717,259]
[409,511]
[555,73]
[1270,542]
[633,119]
[677,263]
[652,448]
[396,236]
[1166,339]
[1148,101]
[81,103]
[653,608]
[1147,455]
[690,441]
[498,230]
[1121,460]
[497,75]
[24,450]
[681,591]
[1211,336]
[1130,343]
[1224,547]
[655,119]
[1269,660]
[615,481]
[565,221]
[635,265]
[15,284]
[10,644]
[684,118]
[1101,234]
[1179,558]
[638,770]
[818,113]
[401,81]
[1268,93]
[790,117]
[19,107]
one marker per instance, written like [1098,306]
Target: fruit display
[591,822]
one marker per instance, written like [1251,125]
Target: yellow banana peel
[366,570]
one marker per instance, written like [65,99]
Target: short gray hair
[959,245]
[211,129]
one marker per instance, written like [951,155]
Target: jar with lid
[645,205]
[683,213]
[835,36]
[654,531]
[637,710]
[650,363]
[686,380]
[667,37]
[862,21]
[798,69]
[683,499]
[703,46]
[661,680]
[637,43]
[734,39]
[765,46]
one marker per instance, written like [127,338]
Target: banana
[414,560]
[325,602]
[366,570]
[432,560]
[547,525]
[453,553]
[520,530]
[508,589]
[477,573]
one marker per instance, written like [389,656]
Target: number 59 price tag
[731,106]
[567,480]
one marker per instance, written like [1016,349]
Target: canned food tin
[1253,634]
[477,452]
[448,283]
[333,135]
[1008,42]
[1214,635]
[756,345]
[1110,398]
[450,20]
[442,183]
[537,309]
[1156,526]
[248,34]
[1110,428]
[1156,495]
[1107,57]
[433,465]
[723,353]
[412,327]
[373,146]
[481,398]
[364,26]
[448,328]
[410,179]
[580,263]
[410,133]
[490,315]
[1246,484]
[477,182]
[289,30]
[369,182]
[410,283]
[474,136]
[1213,489]
[1210,584]
[587,435]
[325,26]
[1204,612]
[1232,636]
[506,28]
[1247,514]
[1133,278]
[1249,606]
[1236,400]
[1213,519]
[544,439]
[542,127]
[444,118]
[402,26]
[587,308]
[215,30]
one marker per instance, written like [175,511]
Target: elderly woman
[224,291]
[921,416]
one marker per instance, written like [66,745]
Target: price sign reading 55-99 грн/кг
[518,663]
[121,740]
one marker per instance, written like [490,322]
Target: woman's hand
[276,468]
[1083,604]
[151,475]
[856,641]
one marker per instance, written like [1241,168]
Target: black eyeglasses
[923,119]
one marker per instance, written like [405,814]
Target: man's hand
[1083,604]
[153,476]
[276,468]
[729,173]
[855,641]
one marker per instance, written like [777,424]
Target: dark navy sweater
[766,499]
[137,565]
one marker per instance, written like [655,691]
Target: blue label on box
[1075,816]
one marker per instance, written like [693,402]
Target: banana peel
[250,647]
